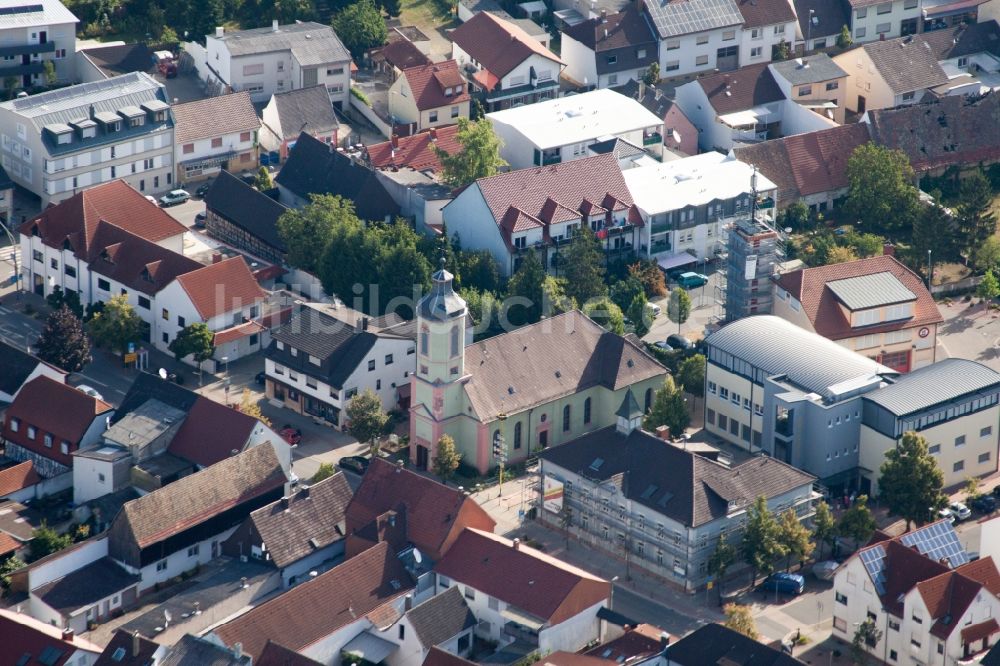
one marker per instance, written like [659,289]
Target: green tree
[405,272]
[448,458]
[484,309]
[973,488]
[554,298]
[524,291]
[679,307]
[739,618]
[307,231]
[910,480]
[796,538]
[196,340]
[844,40]
[652,75]
[691,375]
[367,419]
[325,471]
[49,72]
[479,156]
[650,276]
[624,292]
[668,409]
[390,7]
[989,288]
[761,539]
[796,217]
[71,298]
[880,192]
[7,567]
[933,230]
[263,180]
[839,254]
[478,270]
[987,255]
[584,267]
[11,84]
[824,526]
[857,523]
[781,51]
[116,325]
[866,637]
[640,314]
[866,245]
[975,217]
[360,27]
[46,541]
[63,342]
[349,264]
[605,313]
[723,557]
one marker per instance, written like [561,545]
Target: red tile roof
[983,570]
[69,422]
[905,568]
[416,151]
[523,577]
[237,333]
[978,632]
[9,544]
[401,54]
[498,46]
[211,432]
[134,261]
[758,13]
[438,657]
[18,477]
[275,654]
[742,89]
[642,641]
[434,513]
[430,83]
[214,117]
[23,634]
[821,306]
[77,218]
[317,608]
[222,287]
[947,598]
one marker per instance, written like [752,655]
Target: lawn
[426,14]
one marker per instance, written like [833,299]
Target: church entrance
[421,456]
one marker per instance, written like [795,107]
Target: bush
[363,98]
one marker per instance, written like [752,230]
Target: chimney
[284,501]
[664,639]
[357,325]
[274,25]
[889,250]
[135,644]
[517,544]
[304,491]
[238,650]
[408,602]
[434,134]
[67,635]
[216,257]
[395,141]
[604,19]
[364,323]
[663,432]
[219,31]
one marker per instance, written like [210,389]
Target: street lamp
[225,381]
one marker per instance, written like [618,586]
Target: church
[531,388]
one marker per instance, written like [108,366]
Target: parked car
[785,583]
[259,377]
[960,510]
[825,570]
[174,197]
[89,390]
[203,189]
[356,464]
[675,342]
[984,504]
[692,280]
[291,435]
[946,514]
[151,199]
[654,309]
[199,220]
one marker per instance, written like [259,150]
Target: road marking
[5,310]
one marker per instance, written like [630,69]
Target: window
[860,32]
[862,13]
[54,263]
[402,631]
[432,116]
[701,60]
[984,457]
[710,416]
[958,466]
[819,43]
[70,271]
[37,255]
[193,550]
[165,314]
[311,383]
[756,51]
[424,337]
[883,28]
[181,321]
[371,365]
[48,440]
[723,422]
[910,4]
[963,61]
[745,432]
[612,60]
[517,435]
[640,54]
[456,341]
[612,79]
[586,411]
[756,33]
[934,449]
[454,112]
[702,39]
[250,70]
[648,402]
[728,35]
[566,415]
[672,65]
[15,425]
[334,71]
[884,8]
[712,387]
[470,593]
[909,97]
[103,284]
[673,44]
[161,565]
[245,136]
[893,624]
[960,441]
[165,337]
[144,302]
[805,90]
[443,581]
[724,393]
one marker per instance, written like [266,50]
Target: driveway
[969,332]
[704,310]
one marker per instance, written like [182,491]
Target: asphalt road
[641,609]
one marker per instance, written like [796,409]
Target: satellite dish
[677,136]
[417,556]
[163,373]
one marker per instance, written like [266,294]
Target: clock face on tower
[924,332]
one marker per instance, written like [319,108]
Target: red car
[291,435]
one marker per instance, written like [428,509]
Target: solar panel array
[938,542]
[873,560]
[674,18]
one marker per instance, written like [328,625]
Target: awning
[370,647]
[739,119]
[676,260]
[947,8]
[522,618]
[570,17]
[211,160]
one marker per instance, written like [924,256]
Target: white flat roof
[576,118]
[690,181]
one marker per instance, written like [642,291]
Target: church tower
[629,414]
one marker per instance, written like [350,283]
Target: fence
[965,284]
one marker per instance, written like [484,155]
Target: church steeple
[441,331]
[629,414]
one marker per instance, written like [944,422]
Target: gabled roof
[304,110]
[17,366]
[415,151]
[742,89]
[556,357]
[498,45]
[148,386]
[758,13]
[18,477]
[221,287]
[964,39]
[639,642]
[438,657]
[195,499]
[716,644]
[441,618]
[673,18]
[124,640]
[625,32]
[251,210]
[311,519]
[430,85]
[84,587]
[907,64]
[275,654]
[211,432]
[120,59]
[309,612]
[311,43]
[810,286]
[948,596]
[806,164]
[401,53]
[24,635]
[531,581]
[432,511]
[315,168]
[138,263]
[191,650]
[9,544]
[214,117]
[815,68]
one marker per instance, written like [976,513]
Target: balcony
[784,427]
[23,49]
[662,246]
[659,228]
[652,139]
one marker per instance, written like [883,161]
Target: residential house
[105,62]
[821,22]
[20,367]
[245,218]
[399,54]
[774,387]
[609,50]
[877,306]
[28,638]
[890,73]
[131,649]
[89,593]
[517,592]
[638,644]
[744,106]
[323,357]
[951,131]
[507,66]
[182,525]
[878,20]
[537,386]
[560,130]
[810,168]
[58,142]
[657,505]
[36,34]
[769,26]
[267,61]
[275,654]
[299,535]
[687,205]
[680,136]
[316,168]
[215,134]
[19,482]
[320,617]
[953,404]
[924,595]
[444,621]
[717,644]
[438,657]
[430,515]
[969,55]
[814,82]
[17,525]
[289,114]
[426,96]
[541,208]
[193,650]
[33,431]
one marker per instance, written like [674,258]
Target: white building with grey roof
[266,61]
[56,143]
[774,387]
[33,33]
[953,404]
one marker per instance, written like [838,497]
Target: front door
[421,456]
[543,438]
[39,284]
[861,104]
[727,58]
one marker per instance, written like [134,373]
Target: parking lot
[969,332]
[704,310]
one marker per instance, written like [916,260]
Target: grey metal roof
[673,18]
[812,69]
[871,291]
[934,384]
[442,304]
[27,13]
[311,43]
[779,347]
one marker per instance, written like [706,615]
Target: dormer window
[116,126]
[447,92]
[146,275]
[138,121]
